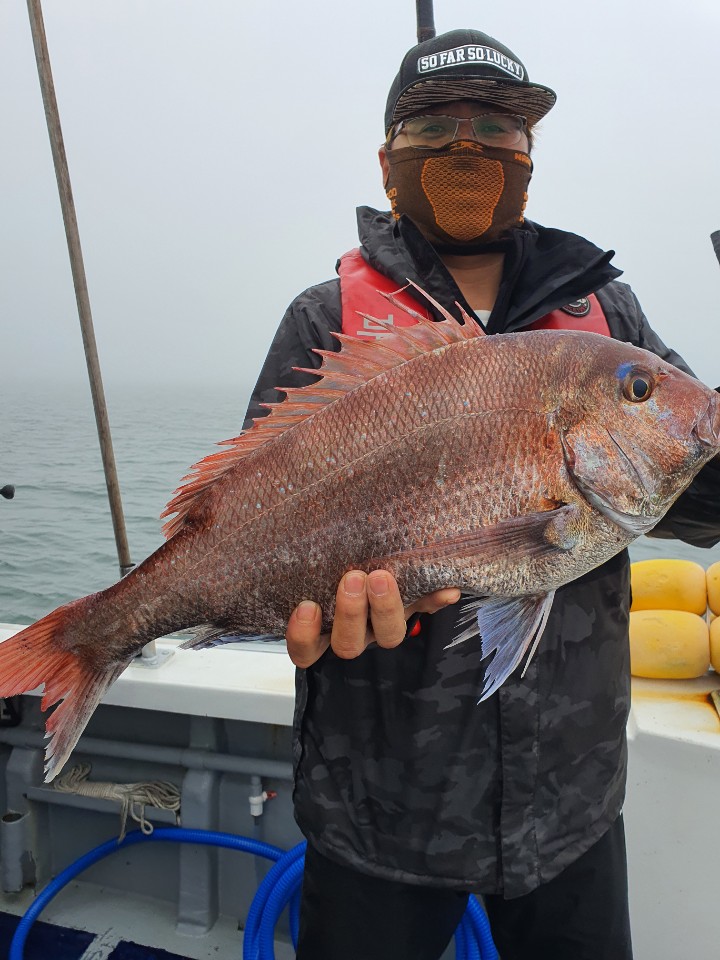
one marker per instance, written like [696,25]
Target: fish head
[638,432]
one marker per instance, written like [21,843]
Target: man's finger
[434,601]
[386,609]
[349,633]
[305,643]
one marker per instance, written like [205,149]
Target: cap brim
[531,100]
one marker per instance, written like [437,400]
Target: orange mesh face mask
[462,195]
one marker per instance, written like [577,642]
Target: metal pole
[192,757]
[425,20]
[78,272]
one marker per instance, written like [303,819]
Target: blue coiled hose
[280,887]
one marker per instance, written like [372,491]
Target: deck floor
[120,926]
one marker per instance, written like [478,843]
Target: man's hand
[360,597]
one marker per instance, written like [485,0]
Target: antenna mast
[425,20]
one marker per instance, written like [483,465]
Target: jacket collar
[544,268]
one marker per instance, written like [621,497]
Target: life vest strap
[362,288]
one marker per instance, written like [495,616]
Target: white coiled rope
[133,797]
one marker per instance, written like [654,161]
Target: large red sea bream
[503,465]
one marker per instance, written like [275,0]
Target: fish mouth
[707,426]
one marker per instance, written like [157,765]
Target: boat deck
[671,811]
[89,922]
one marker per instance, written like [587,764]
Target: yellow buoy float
[669,644]
[713,587]
[670,585]
[715,645]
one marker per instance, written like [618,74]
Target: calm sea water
[56,537]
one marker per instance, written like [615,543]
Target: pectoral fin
[531,536]
[508,628]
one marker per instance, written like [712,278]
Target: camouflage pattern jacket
[399,772]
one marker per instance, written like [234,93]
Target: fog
[218,150]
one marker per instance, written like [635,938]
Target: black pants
[580,915]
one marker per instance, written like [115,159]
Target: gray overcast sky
[218,149]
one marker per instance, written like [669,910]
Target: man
[409,792]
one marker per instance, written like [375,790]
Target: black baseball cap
[464,65]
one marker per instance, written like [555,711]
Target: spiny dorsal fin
[357,363]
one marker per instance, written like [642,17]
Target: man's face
[464,110]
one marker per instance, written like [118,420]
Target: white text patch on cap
[461,56]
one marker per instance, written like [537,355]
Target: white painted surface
[241,684]
[672,817]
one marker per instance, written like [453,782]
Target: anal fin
[212,635]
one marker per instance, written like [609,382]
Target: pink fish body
[506,466]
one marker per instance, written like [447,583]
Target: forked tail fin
[47,653]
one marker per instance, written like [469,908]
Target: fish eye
[638,386]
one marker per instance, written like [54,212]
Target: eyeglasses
[492,129]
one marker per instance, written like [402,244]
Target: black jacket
[399,772]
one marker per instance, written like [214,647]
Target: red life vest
[361,287]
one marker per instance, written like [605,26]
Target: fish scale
[505,466]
